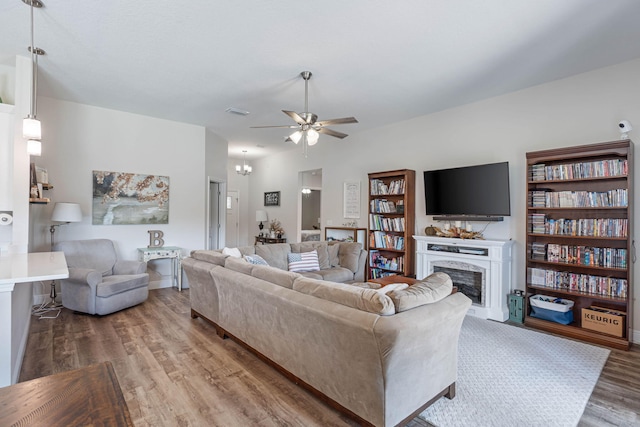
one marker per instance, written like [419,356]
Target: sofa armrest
[431,334]
[129,267]
[84,276]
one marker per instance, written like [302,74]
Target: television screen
[481,190]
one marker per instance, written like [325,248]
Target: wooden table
[88,396]
[268,240]
[388,280]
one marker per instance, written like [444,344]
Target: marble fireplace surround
[490,258]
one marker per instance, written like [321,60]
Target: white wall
[582,109]
[79,139]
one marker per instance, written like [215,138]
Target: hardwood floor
[175,371]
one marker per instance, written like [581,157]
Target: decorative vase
[272,234]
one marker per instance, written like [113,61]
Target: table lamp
[261,216]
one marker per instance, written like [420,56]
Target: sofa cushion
[432,289]
[304,261]
[274,275]
[275,254]
[334,259]
[320,247]
[349,254]
[351,296]
[255,260]
[336,274]
[239,265]
[312,274]
[214,257]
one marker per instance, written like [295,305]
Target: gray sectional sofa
[379,357]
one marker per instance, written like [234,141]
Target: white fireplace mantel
[493,257]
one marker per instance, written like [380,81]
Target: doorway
[310,192]
[216,218]
[233,219]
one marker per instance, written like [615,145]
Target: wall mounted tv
[480,191]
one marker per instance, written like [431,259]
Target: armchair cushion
[115,284]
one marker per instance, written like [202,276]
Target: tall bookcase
[579,235]
[391,223]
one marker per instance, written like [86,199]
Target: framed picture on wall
[272,198]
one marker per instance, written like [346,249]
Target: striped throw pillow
[304,261]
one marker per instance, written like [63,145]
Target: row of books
[581,255]
[564,280]
[380,239]
[581,170]
[386,206]
[377,260]
[376,273]
[578,199]
[379,188]
[539,223]
[379,222]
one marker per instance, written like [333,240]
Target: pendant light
[31,128]
[244,169]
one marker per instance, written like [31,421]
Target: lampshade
[261,216]
[34,147]
[296,136]
[31,128]
[312,137]
[66,212]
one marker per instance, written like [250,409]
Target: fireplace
[481,269]
[469,278]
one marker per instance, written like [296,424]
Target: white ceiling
[380,61]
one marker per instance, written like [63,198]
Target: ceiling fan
[308,128]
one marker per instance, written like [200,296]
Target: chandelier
[244,169]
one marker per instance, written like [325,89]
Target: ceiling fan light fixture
[296,136]
[312,137]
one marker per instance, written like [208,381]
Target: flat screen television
[480,190]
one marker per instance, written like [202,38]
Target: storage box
[553,309]
[611,322]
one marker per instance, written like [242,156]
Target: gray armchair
[98,282]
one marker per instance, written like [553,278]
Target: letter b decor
[155,239]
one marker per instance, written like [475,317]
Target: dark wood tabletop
[88,396]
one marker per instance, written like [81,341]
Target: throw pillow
[234,252]
[432,289]
[304,261]
[255,259]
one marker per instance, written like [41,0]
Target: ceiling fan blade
[283,126]
[342,121]
[331,132]
[295,116]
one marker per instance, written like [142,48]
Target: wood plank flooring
[175,371]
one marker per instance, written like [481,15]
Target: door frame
[222,215]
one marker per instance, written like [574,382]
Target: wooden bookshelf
[391,223]
[579,234]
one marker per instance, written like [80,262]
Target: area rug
[511,376]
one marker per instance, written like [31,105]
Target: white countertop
[19,268]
